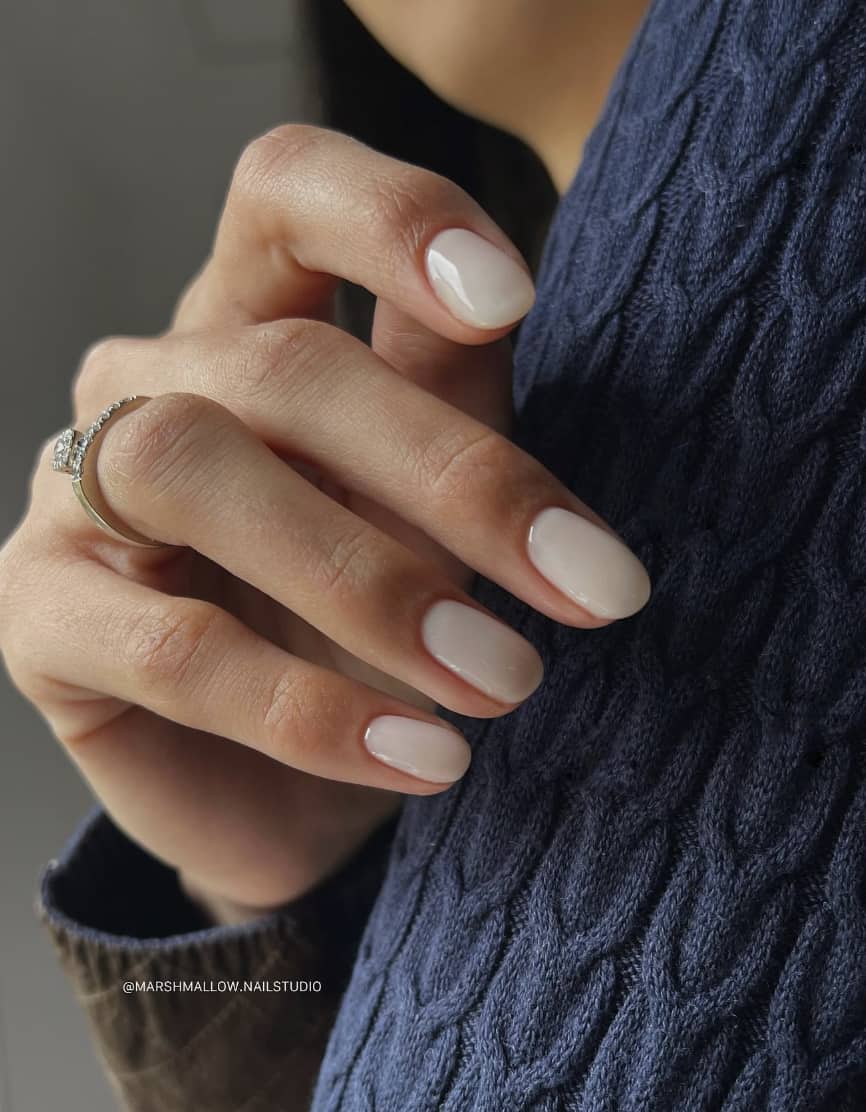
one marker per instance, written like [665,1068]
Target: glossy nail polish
[477,282]
[484,652]
[587,564]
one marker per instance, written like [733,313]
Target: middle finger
[312,392]
[188,472]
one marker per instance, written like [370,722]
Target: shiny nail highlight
[477,282]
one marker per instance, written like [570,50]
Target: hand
[251,704]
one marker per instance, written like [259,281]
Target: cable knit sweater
[649,892]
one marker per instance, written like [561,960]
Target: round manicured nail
[476,281]
[587,564]
[481,650]
[422,749]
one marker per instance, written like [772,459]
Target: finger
[197,476]
[311,391]
[194,663]
[307,206]
[476,380]
[176,790]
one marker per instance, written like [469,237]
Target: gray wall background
[120,123]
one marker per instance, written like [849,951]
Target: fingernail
[586,563]
[421,748]
[478,283]
[481,650]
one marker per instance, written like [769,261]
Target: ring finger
[185,470]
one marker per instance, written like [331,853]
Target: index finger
[307,207]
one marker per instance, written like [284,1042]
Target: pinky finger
[190,661]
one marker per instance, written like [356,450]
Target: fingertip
[479,284]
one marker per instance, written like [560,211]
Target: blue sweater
[649,894]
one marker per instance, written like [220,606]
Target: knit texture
[649,892]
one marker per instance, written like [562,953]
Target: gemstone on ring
[70,446]
[70,452]
[63,451]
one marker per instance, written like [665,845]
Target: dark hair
[369,95]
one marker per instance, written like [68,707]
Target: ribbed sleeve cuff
[215,1016]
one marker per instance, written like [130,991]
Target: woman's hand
[251,704]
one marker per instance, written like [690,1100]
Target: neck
[574,88]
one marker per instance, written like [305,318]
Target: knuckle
[286,721]
[271,155]
[401,212]
[344,565]
[276,355]
[165,643]
[453,465]
[405,203]
[97,371]
[303,716]
[153,444]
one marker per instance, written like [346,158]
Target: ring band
[72,456]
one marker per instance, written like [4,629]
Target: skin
[559,57]
[219,707]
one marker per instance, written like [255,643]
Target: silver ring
[73,456]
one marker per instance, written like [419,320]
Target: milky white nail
[484,652]
[586,563]
[420,748]
[476,281]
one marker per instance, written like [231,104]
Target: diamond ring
[72,456]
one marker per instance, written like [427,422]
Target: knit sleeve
[187,1015]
